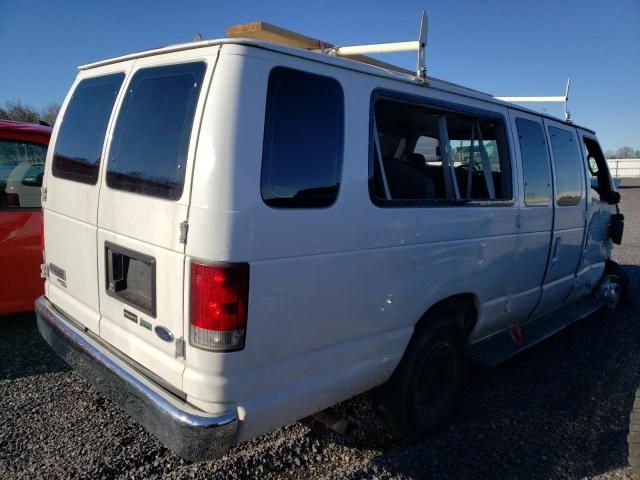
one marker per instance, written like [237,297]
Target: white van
[239,234]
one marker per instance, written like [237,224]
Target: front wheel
[614,285]
[420,395]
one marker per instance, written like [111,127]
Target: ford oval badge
[164,333]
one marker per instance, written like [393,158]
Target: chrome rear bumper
[189,432]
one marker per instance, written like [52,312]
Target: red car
[23,148]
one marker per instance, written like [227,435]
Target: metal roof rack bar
[539,99]
[377,48]
[418,46]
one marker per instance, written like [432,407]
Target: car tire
[423,390]
[634,437]
[614,285]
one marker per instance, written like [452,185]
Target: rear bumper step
[190,433]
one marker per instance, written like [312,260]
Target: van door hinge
[180,347]
[184,229]
[44,270]
[43,194]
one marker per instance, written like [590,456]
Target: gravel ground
[559,410]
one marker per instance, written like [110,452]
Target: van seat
[434,174]
[407,182]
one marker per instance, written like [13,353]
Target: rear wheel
[421,394]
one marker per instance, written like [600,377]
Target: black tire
[617,277]
[423,390]
[634,437]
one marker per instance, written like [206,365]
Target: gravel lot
[559,410]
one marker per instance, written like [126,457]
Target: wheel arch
[467,303]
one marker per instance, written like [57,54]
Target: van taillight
[13,200]
[218,307]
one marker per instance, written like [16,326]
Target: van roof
[340,62]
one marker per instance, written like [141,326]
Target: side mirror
[613,197]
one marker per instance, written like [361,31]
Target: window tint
[600,180]
[21,172]
[569,171]
[79,144]
[475,165]
[303,140]
[151,138]
[535,163]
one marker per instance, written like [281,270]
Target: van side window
[148,153]
[600,178]
[79,145]
[21,172]
[426,154]
[303,140]
[535,163]
[569,171]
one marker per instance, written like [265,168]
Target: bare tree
[50,113]
[16,110]
[625,152]
[21,112]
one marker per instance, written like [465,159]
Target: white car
[239,234]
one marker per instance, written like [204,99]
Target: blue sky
[504,47]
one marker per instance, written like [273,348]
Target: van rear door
[143,208]
[71,193]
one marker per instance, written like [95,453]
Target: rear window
[79,144]
[303,138]
[149,149]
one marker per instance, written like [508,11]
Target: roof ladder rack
[419,46]
[557,99]
[271,33]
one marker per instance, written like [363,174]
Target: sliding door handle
[554,258]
